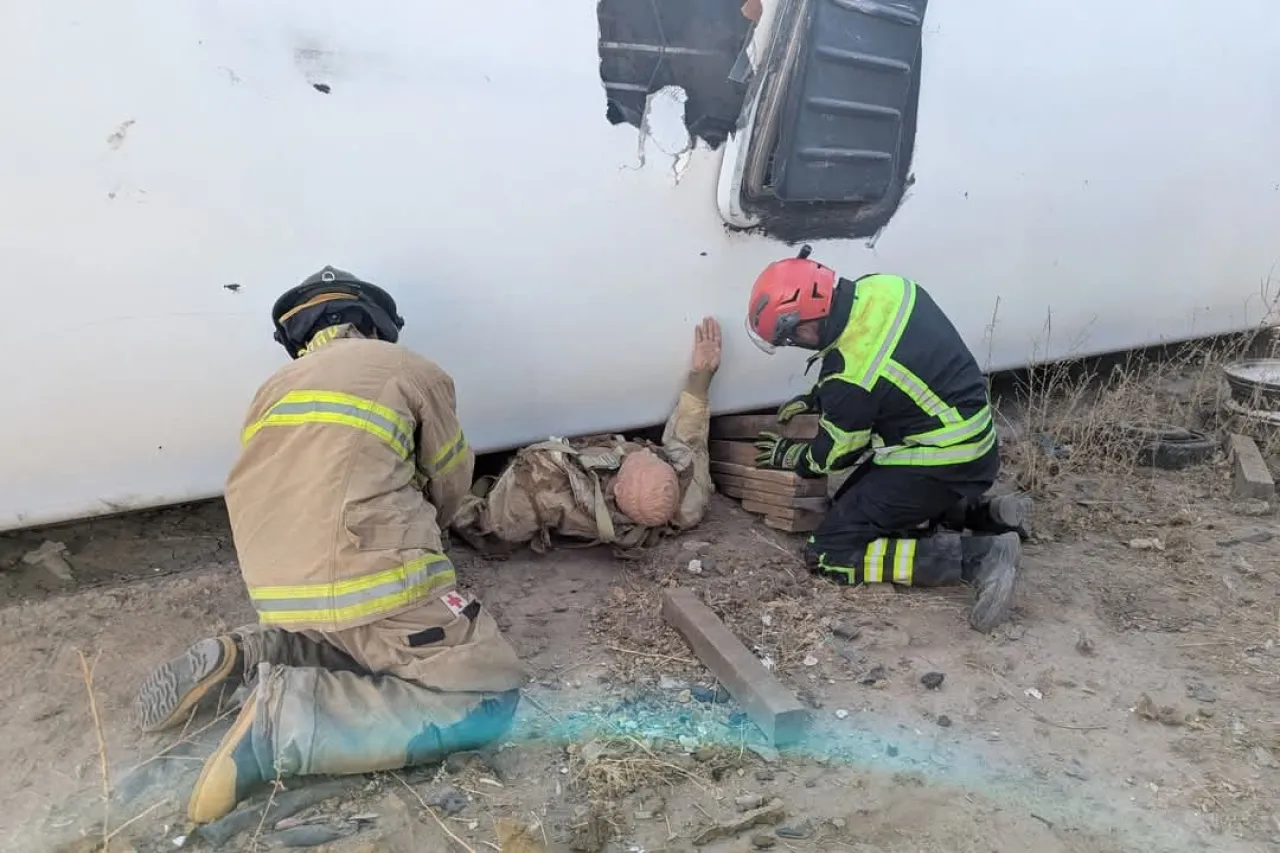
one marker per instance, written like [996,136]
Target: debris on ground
[766,815]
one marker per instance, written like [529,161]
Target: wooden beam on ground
[1251,478]
[747,427]
[760,477]
[769,704]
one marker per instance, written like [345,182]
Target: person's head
[646,489]
[333,297]
[788,303]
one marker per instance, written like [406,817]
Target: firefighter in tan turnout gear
[605,489]
[365,657]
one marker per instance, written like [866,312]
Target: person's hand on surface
[706,346]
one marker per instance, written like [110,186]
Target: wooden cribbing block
[777,482]
[737,452]
[783,518]
[747,427]
[750,496]
[769,704]
[1251,478]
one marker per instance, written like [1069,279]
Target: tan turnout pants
[406,690]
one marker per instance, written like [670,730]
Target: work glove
[801,404]
[778,453]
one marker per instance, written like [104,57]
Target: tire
[1170,447]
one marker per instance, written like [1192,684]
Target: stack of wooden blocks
[787,502]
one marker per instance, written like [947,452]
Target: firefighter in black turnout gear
[903,402]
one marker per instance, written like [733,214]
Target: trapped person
[605,489]
[903,401]
[366,656]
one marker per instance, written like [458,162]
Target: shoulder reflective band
[354,598]
[329,407]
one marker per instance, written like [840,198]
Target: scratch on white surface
[663,131]
[117,137]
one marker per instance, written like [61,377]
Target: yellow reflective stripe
[889,341]
[367,595]
[956,454]
[946,436]
[904,561]
[303,407]
[843,443]
[920,393]
[453,452]
[873,561]
[882,306]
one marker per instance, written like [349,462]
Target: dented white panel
[169,169]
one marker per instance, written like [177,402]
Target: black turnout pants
[897,524]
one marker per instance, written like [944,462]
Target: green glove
[778,453]
[802,404]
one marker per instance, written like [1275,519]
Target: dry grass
[1080,420]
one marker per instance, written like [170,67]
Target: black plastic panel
[846,130]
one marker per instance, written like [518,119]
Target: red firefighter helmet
[788,293]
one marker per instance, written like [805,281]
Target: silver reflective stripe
[890,339]
[458,447]
[417,577]
[922,395]
[954,455]
[951,435]
[398,438]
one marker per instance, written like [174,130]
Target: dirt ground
[1132,704]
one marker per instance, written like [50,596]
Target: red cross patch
[455,602]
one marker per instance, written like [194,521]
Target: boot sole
[992,606]
[176,686]
[220,771]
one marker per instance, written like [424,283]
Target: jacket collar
[328,334]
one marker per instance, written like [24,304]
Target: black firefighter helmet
[330,297]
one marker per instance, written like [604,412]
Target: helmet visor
[761,344]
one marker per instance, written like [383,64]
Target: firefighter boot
[991,564]
[1012,512]
[167,696]
[234,770]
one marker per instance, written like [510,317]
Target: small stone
[845,631]
[695,545]
[810,660]
[709,564]
[1252,507]
[695,566]
[704,754]
[1146,543]
[841,713]
[1263,757]
[1202,693]
[892,751]
[747,802]
[932,680]
[449,799]
[797,831]
[684,697]
[687,743]
[944,721]
[666,682]
[839,822]
[764,774]
[760,841]
[1084,645]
